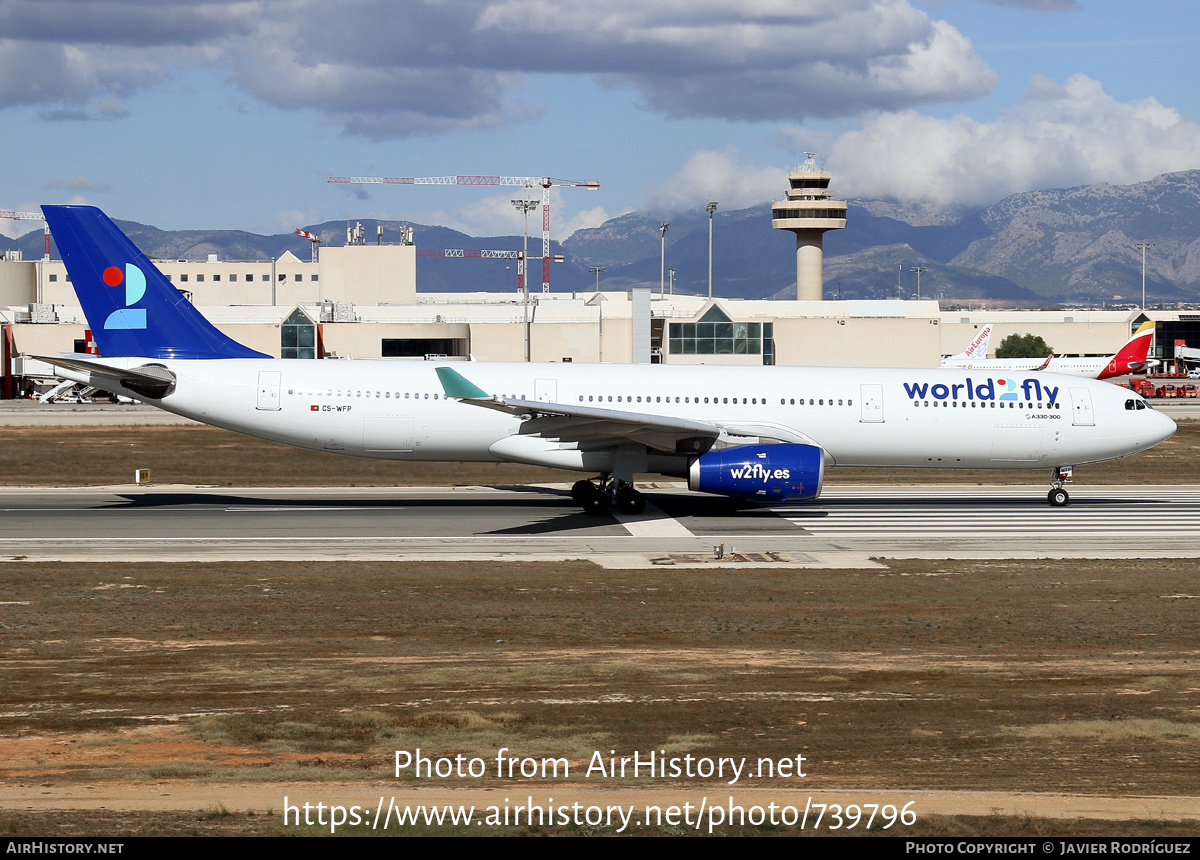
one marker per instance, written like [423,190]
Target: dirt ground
[131,682]
[96,456]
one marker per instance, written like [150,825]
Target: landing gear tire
[1058,498]
[630,501]
[596,503]
[581,491]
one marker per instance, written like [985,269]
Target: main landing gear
[1058,497]
[596,497]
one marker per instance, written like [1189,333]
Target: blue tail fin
[133,310]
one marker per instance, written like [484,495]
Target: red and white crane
[311,237]
[545,182]
[31,216]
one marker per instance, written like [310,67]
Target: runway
[846,527]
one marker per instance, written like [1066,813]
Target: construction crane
[468,253]
[31,216]
[316,240]
[545,182]
[485,254]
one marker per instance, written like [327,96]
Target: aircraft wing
[149,380]
[598,427]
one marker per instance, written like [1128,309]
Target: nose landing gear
[1058,497]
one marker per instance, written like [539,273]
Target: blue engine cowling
[768,473]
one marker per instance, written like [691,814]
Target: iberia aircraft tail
[1132,356]
[132,309]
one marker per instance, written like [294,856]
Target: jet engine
[769,473]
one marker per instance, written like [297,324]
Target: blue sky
[192,114]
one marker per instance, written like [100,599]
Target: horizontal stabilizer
[151,381]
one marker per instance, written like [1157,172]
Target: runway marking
[934,514]
[303,509]
[652,522]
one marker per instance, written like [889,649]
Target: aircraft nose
[1163,428]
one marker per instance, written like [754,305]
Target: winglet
[457,385]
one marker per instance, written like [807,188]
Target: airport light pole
[711,208]
[597,271]
[919,270]
[1144,246]
[525,207]
[662,272]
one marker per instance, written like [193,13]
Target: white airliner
[765,434]
[1130,358]
[975,350]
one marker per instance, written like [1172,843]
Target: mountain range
[1069,246]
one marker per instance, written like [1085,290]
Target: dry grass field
[1074,677]
[1078,677]
[83,456]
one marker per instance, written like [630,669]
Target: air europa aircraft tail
[977,348]
[133,310]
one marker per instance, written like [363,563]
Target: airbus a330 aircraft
[1128,359]
[765,434]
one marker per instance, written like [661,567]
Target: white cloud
[1067,134]
[288,220]
[717,175]
[79,183]
[384,71]
[582,220]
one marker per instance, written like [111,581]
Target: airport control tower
[809,212]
